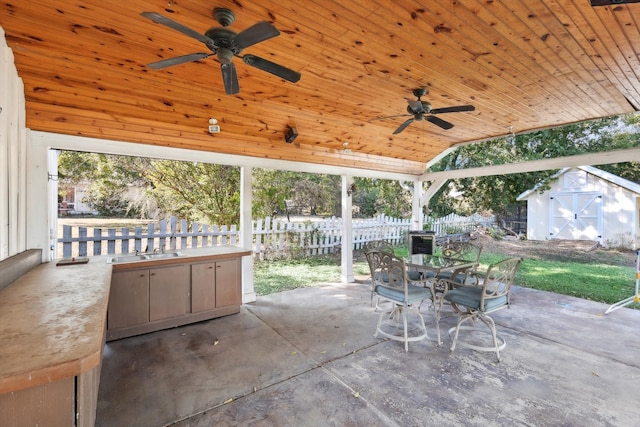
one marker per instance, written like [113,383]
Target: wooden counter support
[52,326]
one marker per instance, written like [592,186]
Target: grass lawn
[285,274]
[597,282]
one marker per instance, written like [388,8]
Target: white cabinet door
[576,216]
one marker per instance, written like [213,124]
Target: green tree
[381,196]
[196,191]
[271,190]
[274,191]
[140,187]
[112,181]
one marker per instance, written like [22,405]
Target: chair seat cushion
[414,275]
[428,274]
[416,293]
[384,277]
[470,297]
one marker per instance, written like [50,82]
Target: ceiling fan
[419,110]
[225,44]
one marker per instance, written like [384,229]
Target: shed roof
[607,176]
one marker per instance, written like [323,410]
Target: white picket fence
[272,238]
[277,238]
[171,234]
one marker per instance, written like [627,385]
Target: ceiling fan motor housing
[223,38]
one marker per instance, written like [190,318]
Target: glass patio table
[438,273]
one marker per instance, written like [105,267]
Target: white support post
[416,206]
[38,197]
[246,240]
[52,203]
[346,269]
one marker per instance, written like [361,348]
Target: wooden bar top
[52,319]
[52,323]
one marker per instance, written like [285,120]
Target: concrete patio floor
[308,357]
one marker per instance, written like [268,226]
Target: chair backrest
[396,273]
[377,261]
[393,281]
[498,280]
[378,245]
[462,250]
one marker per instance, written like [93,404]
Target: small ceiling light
[213,126]
[291,135]
[346,150]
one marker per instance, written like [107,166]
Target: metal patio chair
[466,251]
[375,259]
[474,303]
[404,297]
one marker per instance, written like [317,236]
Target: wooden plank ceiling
[523,64]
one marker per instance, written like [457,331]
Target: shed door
[576,216]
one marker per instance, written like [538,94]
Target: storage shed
[585,203]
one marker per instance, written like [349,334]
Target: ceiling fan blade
[416,106]
[271,67]
[439,122]
[457,109]
[255,34]
[159,19]
[390,117]
[177,60]
[403,126]
[230,78]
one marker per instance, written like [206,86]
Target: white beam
[436,184]
[98,145]
[590,159]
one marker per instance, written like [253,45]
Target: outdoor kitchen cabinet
[128,299]
[167,296]
[148,296]
[215,285]
[142,296]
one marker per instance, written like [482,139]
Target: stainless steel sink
[142,257]
[164,255]
[125,258]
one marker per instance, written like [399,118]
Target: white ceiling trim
[96,145]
